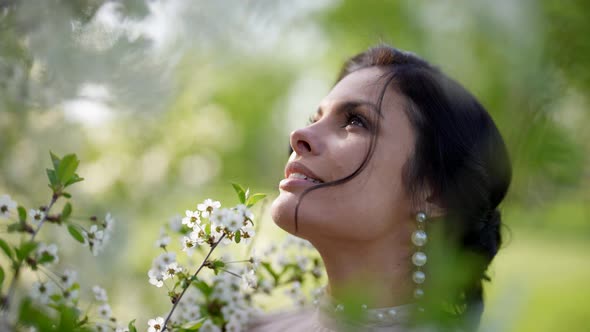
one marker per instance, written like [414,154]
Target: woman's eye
[355,120]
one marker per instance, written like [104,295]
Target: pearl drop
[419,238]
[418,293]
[380,315]
[392,312]
[418,277]
[340,307]
[364,307]
[420,217]
[419,258]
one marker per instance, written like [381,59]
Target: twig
[189,283]
[11,288]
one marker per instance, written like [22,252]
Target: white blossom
[6,205]
[233,221]
[189,243]
[164,239]
[104,311]
[295,293]
[233,326]
[302,261]
[249,279]
[156,324]
[68,278]
[191,313]
[265,285]
[50,250]
[163,260]
[207,207]
[96,239]
[102,327]
[192,219]
[70,295]
[255,260]
[171,270]
[208,326]
[41,291]
[99,294]
[245,212]
[109,222]
[36,216]
[156,278]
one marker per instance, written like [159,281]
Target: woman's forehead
[364,84]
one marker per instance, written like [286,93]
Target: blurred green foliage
[166,102]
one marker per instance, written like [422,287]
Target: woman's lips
[293,183]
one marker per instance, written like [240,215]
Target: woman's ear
[433,208]
[430,203]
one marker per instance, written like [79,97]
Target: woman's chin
[282,211]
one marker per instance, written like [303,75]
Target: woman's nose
[305,141]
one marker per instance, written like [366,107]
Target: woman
[396,182]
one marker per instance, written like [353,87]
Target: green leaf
[25,250]
[66,195]
[66,211]
[67,168]
[14,227]
[208,229]
[203,287]
[218,264]
[237,236]
[192,326]
[45,258]
[6,248]
[1,276]
[131,326]
[73,180]
[33,316]
[55,160]
[22,214]
[254,199]
[68,318]
[53,181]
[240,191]
[76,234]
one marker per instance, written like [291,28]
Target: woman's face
[332,147]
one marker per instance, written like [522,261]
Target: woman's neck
[376,273]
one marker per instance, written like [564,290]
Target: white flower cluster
[208,224]
[163,267]
[224,302]
[99,234]
[292,260]
[63,290]
[104,309]
[235,307]
[233,224]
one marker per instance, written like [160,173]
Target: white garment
[319,320]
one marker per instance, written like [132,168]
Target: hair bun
[489,235]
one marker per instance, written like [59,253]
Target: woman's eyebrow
[352,104]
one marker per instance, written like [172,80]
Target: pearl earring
[419,239]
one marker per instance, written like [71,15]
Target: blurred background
[168,101]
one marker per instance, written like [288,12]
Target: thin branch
[11,288]
[189,283]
